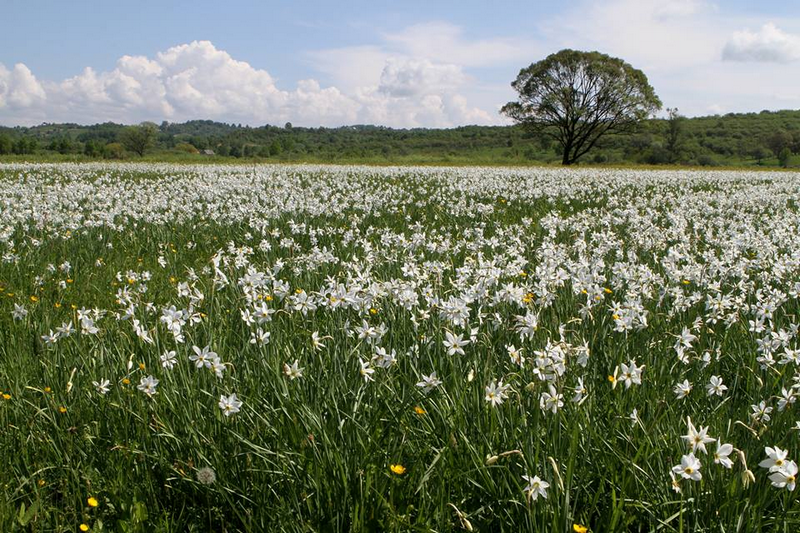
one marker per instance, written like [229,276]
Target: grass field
[311,348]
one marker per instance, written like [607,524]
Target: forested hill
[733,139]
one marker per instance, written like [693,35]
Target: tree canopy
[577,97]
[139,139]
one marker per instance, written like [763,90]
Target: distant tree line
[766,138]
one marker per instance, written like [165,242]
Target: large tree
[139,139]
[577,97]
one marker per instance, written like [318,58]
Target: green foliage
[139,139]
[113,151]
[784,156]
[733,140]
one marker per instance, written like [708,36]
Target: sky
[433,63]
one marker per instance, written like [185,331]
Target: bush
[705,160]
[187,148]
[113,151]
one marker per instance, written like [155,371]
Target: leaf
[25,516]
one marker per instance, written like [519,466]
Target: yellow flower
[126,381]
[42,482]
[141,366]
[577,528]
[6,396]
[47,389]
[62,409]
[34,299]
[373,311]
[57,305]
[83,527]
[419,410]
[92,501]
[398,469]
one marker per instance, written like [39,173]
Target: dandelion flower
[206,475]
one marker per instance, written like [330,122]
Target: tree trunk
[565,160]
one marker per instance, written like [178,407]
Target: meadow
[343,348]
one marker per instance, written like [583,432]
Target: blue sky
[410,63]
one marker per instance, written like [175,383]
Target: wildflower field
[298,348]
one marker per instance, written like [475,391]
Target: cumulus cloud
[19,88]
[770,44]
[197,80]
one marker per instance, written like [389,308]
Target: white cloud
[411,77]
[351,67]
[444,42]
[652,35]
[19,88]
[682,8]
[769,44]
[197,80]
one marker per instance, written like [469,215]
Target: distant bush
[187,148]
[113,151]
[705,160]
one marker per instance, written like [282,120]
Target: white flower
[722,453]
[535,487]
[697,439]
[496,392]
[293,371]
[365,370]
[761,412]
[168,359]
[19,312]
[148,385]
[785,477]
[229,404]
[454,343]
[202,357]
[689,468]
[550,400]
[580,392]
[787,399]
[218,367]
[676,483]
[715,386]
[102,386]
[260,337]
[316,341]
[776,458]
[50,339]
[429,383]
[682,390]
[631,374]
[516,355]
[384,359]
